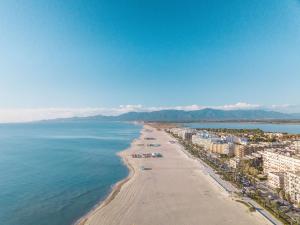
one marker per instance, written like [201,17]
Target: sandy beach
[172,190]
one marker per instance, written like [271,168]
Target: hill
[195,116]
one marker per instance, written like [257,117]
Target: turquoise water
[288,128]
[53,173]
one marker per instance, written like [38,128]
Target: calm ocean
[52,173]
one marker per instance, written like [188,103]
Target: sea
[53,173]
[267,127]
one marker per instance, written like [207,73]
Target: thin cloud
[35,114]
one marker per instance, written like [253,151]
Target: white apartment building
[184,133]
[276,179]
[278,162]
[292,185]
[198,139]
[296,146]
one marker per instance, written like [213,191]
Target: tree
[275,205]
[282,194]
[288,197]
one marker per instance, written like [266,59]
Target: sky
[84,57]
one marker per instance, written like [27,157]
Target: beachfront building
[176,131]
[279,162]
[213,144]
[292,185]
[237,140]
[221,147]
[283,171]
[188,134]
[202,139]
[241,151]
[276,180]
[296,146]
[184,133]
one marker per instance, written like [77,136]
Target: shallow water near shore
[52,173]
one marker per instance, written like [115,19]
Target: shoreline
[125,205]
[115,189]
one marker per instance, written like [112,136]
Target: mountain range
[196,116]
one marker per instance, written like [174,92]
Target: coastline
[115,189]
[133,199]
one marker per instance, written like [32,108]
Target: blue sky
[107,53]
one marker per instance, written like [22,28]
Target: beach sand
[174,192]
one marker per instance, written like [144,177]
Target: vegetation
[248,170]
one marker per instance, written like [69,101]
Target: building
[283,171]
[276,179]
[237,140]
[234,162]
[204,139]
[184,133]
[273,135]
[201,141]
[222,148]
[241,151]
[188,134]
[292,185]
[296,146]
[278,162]
[213,144]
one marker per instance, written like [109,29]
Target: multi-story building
[198,140]
[241,151]
[276,179]
[184,133]
[292,185]
[222,148]
[213,144]
[204,138]
[278,162]
[188,134]
[237,140]
[296,146]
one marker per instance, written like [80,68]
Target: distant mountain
[198,115]
[204,114]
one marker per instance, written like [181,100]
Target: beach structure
[147,155]
[149,138]
[156,154]
[153,145]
